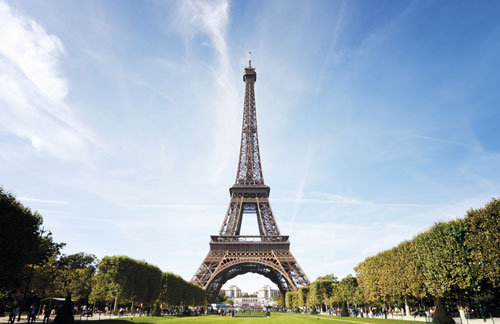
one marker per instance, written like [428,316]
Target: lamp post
[459,236]
[42,230]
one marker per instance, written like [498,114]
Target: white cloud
[332,53]
[211,19]
[26,44]
[32,90]
[43,201]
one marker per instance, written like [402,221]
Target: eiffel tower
[232,254]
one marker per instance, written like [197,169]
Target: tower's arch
[238,268]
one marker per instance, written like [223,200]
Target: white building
[246,301]
[266,293]
[233,292]
[264,297]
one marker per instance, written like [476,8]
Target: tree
[328,277]
[321,292]
[72,274]
[278,299]
[291,299]
[79,260]
[348,290]
[156,310]
[483,241]
[336,297]
[303,297]
[43,282]
[441,316]
[344,312]
[368,273]
[125,279]
[77,282]
[19,240]
[408,271]
[75,275]
[220,299]
[175,291]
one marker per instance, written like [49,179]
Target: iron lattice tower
[232,254]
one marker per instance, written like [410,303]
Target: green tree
[292,299]
[156,310]
[368,273]
[220,299]
[79,260]
[175,291]
[348,290]
[77,282]
[124,279]
[336,297]
[408,271]
[321,292]
[278,299]
[303,297]
[45,282]
[329,277]
[441,316]
[21,242]
[344,312]
[483,241]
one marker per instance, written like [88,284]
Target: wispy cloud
[474,146]
[332,48]
[172,206]
[322,198]
[300,190]
[211,19]
[43,201]
[33,90]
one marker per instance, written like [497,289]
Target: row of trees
[177,291]
[33,268]
[120,278]
[448,261]
[325,292]
[444,264]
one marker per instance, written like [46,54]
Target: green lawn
[276,318]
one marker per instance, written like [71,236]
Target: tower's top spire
[249,75]
[249,166]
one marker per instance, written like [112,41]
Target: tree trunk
[461,307]
[132,309]
[407,307]
[115,308]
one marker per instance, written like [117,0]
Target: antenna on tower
[249,59]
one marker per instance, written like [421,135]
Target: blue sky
[120,121]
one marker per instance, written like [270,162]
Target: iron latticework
[249,167]
[232,254]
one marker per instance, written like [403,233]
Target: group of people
[32,314]
[221,312]
[361,311]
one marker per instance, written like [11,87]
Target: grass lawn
[276,318]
